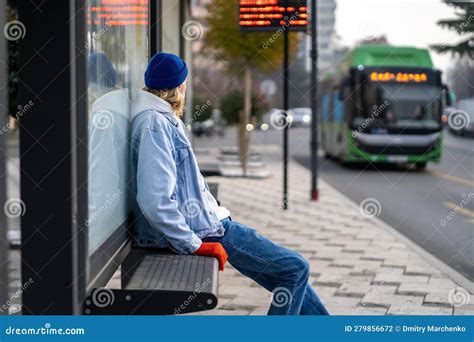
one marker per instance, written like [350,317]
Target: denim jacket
[170,199]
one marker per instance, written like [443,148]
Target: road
[416,203]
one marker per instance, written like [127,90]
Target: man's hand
[213,249]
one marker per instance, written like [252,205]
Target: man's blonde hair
[173,96]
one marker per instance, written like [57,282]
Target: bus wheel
[421,166]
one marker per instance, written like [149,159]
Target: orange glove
[213,249]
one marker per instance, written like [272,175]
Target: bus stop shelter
[72,57]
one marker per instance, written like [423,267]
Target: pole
[3,175]
[314,104]
[285,111]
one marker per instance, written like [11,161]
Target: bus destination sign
[400,77]
[271,15]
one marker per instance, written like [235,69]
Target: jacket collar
[146,101]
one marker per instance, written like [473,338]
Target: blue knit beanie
[101,70]
[165,71]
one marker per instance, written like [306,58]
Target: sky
[405,22]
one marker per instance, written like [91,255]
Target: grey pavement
[358,265]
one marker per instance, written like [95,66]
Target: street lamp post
[314,104]
[285,111]
[3,188]
[290,19]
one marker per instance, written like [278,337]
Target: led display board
[271,15]
[399,77]
[118,12]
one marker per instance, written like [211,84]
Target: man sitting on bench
[175,209]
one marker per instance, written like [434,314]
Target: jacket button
[219,231]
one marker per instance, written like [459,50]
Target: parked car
[216,125]
[301,117]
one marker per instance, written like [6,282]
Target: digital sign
[271,15]
[118,13]
[400,77]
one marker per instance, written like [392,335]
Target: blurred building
[326,15]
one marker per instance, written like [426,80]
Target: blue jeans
[278,269]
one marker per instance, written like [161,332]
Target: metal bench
[155,282]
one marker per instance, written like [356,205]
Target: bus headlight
[306,119]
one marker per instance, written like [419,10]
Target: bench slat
[173,272]
[160,283]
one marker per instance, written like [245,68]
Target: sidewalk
[358,267]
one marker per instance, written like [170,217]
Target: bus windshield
[412,105]
[401,106]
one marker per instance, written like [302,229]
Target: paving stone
[388,300]
[466,310]
[363,311]
[400,279]
[222,312]
[443,297]
[363,289]
[263,298]
[341,305]
[418,310]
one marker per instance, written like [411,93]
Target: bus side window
[338,113]
[331,106]
[342,89]
[325,107]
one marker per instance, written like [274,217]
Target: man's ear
[182,87]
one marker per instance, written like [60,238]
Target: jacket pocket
[182,154]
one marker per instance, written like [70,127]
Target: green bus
[384,106]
